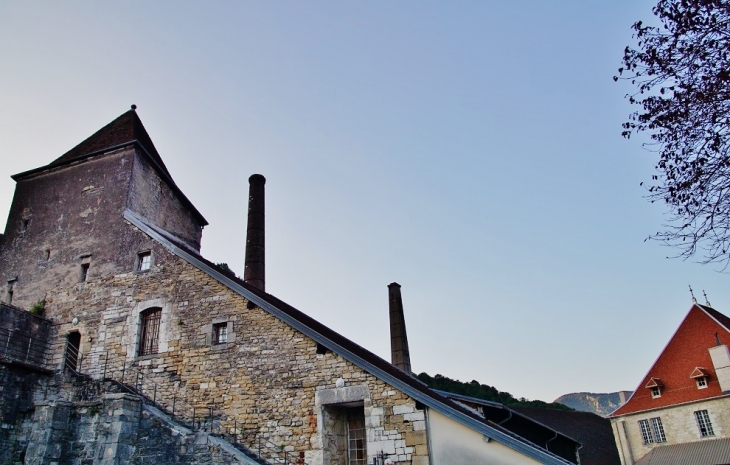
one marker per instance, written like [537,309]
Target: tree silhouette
[681,72]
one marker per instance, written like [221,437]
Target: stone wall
[152,198]
[73,214]
[16,408]
[679,423]
[60,217]
[263,381]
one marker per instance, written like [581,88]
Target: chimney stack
[254,273]
[400,356]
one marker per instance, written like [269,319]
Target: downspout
[506,419]
[577,453]
[428,435]
[547,443]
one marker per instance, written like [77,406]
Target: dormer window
[656,386]
[700,376]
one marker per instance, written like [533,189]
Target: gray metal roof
[707,452]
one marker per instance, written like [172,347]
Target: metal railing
[21,347]
[209,418]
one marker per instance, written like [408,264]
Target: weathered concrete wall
[265,379]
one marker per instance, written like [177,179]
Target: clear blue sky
[470,151]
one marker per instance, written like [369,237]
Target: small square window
[656,392]
[144,261]
[84,273]
[701,383]
[220,333]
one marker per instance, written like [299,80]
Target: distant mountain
[600,404]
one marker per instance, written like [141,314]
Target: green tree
[681,74]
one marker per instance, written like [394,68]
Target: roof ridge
[126,128]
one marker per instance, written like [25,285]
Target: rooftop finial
[134,107]
[694,301]
[707,302]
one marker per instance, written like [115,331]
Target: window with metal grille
[703,423]
[357,453]
[658,428]
[149,331]
[646,432]
[220,333]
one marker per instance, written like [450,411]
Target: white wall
[455,444]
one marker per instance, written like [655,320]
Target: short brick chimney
[255,271]
[399,354]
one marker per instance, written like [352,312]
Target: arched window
[149,331]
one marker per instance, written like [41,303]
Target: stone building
[149,353]
[680,412]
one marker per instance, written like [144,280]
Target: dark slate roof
[707,452]
[593,431]
[126,129]
[722,319]
[347,349]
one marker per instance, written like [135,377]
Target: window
[9,292]
[84,274]
[646,432]
[220,333]
[24,225]
[658,429]
[149,331]
[144,261]
[704,424]
[656,392]
[356,437]
[701,382]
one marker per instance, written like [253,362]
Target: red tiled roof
[687,349]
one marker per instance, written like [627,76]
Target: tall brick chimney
[399,354]
[255,271]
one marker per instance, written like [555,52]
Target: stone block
[414,438]
[401,409]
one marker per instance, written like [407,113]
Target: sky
[470,151]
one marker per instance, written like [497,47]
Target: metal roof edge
[506,407]
[528,449]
